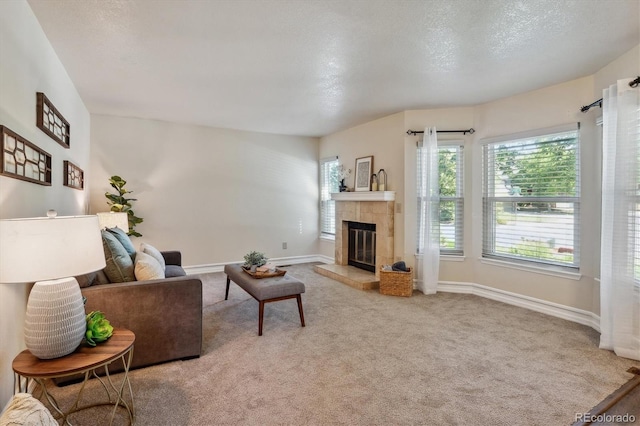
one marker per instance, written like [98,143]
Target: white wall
[626,66]
[29,65]
[547,107]
[214,194]
[543,108]
[442,119]
[382,138]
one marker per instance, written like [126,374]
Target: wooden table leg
[260,314]
[299,299]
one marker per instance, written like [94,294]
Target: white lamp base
[55,321]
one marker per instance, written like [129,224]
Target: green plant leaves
[120,203]
[98,328]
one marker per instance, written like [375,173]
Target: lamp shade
[113,220]
[35,249]
[51,251]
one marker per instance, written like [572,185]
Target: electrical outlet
[284,246]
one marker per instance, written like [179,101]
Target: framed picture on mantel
[364,167]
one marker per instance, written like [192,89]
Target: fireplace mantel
[364,196]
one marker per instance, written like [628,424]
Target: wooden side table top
[82,359]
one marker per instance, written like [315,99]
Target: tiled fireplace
[376,208]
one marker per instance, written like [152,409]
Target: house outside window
[451,178]
[329,183]
[531,198]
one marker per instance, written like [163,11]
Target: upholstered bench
[266,290]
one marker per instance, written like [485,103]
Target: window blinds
[328,184]
[531,199]
[451,177]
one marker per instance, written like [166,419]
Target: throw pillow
[101,278]
[147,268]
[86,280]
[124,240]
[24,409]
[119,267]
[152,251]
[171,271]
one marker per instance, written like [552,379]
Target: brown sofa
[164,314]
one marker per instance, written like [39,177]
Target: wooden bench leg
[226,294]
[260,315]
[299,299]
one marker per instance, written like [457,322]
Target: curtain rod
[586,108]
[470,131]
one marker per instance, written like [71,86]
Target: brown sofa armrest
[165,315]
[172,257]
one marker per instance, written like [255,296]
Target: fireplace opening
[362,245]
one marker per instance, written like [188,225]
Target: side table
[85,360]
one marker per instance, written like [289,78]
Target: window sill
[327,237]
[446,257]
[545,270]
[452,258]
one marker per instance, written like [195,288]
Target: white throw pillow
[147,267]
[25,410]
[152,251]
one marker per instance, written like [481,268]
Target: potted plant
[119,203]
[253,260]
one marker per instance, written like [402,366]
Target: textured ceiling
[312,67]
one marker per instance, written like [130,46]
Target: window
[531,198]
[329,183]
[450,167]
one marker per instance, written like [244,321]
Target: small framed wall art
[50,121]
[20,159]
[73,176]
[364,167]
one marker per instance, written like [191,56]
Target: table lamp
[51,251]
[113,220]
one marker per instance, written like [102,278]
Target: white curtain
[620,248]
[429,194]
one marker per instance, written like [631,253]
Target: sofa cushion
[174,271]
[119,267]
[152,251]
[86,280]
[124,240]
[101,278]
[147,267]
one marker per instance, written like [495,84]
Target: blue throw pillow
[124,240]
[119,267]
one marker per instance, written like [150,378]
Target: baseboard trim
[278,261]
[538,305]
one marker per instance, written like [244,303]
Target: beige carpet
[369,359]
